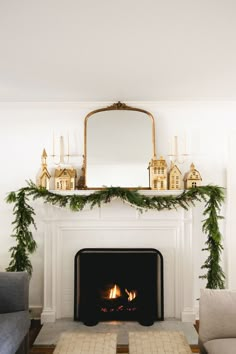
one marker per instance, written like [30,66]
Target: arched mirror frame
[114,107]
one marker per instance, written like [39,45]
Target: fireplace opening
[118,285]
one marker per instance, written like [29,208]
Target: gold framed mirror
[119,142]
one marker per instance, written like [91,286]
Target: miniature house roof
[44,154]
[193,174]
[69,171]
[45,172]
[174,167]
[158,162]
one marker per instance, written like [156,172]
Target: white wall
[26,128]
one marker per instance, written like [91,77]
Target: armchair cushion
[221,346]
[14,312]
[14,327]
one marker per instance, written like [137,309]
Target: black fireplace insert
[121,284]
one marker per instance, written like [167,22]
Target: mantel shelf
[141,191]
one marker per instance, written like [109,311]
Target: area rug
[165,342]
[83,343]
[50,332]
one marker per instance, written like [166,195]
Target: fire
[131,294]
[114,292]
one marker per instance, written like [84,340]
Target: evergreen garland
[213,196]
[24,217]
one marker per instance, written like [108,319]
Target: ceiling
[109,50]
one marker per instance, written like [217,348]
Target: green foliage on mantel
[212,196]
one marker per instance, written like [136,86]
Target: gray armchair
[14,313]
[217,322]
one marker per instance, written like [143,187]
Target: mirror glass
[118,148]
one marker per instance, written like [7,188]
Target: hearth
[118,284]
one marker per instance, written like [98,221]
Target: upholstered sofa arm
[217,314]
[14,291]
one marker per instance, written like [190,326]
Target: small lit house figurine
[44,177]
[192,178]
[65,178]
[158,174]
[175,178]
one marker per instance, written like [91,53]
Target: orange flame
[131,294]
[114,292]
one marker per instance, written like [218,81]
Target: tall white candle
[61,149]
[185,145]
[53,145]
[170,147]
[176,149]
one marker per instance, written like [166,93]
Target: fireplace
[117,225]
[118,284]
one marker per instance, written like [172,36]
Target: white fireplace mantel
[117,225]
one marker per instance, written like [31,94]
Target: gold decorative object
[158,174]
[65,178]
[119,106]
[192,178]
[44,177]
[81,182]
[175,178]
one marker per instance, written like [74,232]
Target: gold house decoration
[159,179]
[44,178]
[65,178]
[192,178]
[158,173]
[175,178]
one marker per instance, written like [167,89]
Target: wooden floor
[36,327]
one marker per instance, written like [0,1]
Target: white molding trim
[48,315]
[188,315]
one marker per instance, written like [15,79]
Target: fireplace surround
[123,284]
[117,225]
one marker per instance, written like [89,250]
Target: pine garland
[213,196]
[24,217]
